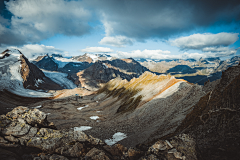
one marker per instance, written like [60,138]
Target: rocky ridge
[16,66]
[197,71]
[101,72]
[214,121]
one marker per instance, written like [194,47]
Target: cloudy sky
[124,28]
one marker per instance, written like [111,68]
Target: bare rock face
[46,62]
[103,71]
[34,78]
[96,154]
[214,122]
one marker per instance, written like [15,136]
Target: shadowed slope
[214,120]
[101,72]
[142,89]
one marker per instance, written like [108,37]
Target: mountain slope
[103,71]
[92,58]
[143,109]
[18,75]
[214,120]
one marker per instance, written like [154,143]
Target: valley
[151,108]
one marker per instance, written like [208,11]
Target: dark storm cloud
[35,20]
[144,19]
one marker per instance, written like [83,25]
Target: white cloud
[159,54]
[31,51]
[200,41]
[151,54]
[117,41]
[97,50]
[196,56]
[35,20]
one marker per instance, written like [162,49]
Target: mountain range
[53,107]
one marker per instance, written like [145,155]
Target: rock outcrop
[26,134]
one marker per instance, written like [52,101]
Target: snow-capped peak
[11,78]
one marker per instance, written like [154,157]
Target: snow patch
[94,117]
[80,108]
[37,82]
[115,138]
[105,66]
[94,57]
[82,128]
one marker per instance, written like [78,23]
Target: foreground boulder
[26,134]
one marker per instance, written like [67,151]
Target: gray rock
[149,157]
[96,154]
[17,129]
[57,157]
[172,150]
[11,139]
[158,147]
[17,112]
[4,121]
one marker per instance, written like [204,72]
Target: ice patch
[98,111]
[82,128]
[80,108]
[116,138]
[94,117]
[37,82]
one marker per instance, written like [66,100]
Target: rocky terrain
[101,72]
[130,108]
[26,134]
[21,77]
[133,112]
[214,121]
[191,70]
[60,64]
[91,58]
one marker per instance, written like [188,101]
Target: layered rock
[27,134]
